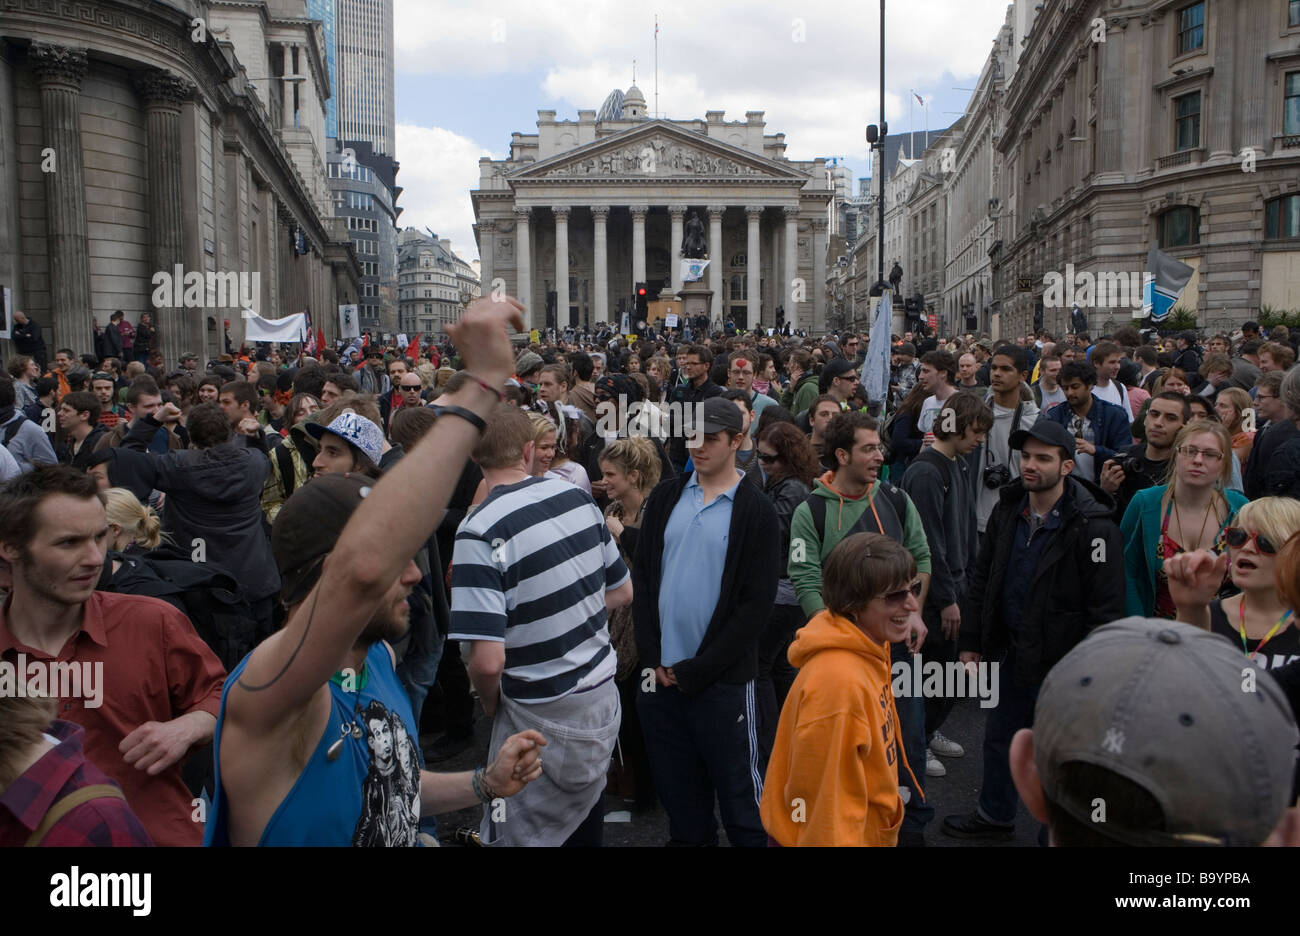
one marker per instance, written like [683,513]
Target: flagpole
[911,129]
[657,114]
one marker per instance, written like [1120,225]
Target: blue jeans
[703,745]
[911,728]
[1015,710]
[418,672]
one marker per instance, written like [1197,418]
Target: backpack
[894,497]
[207,594]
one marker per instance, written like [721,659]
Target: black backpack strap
[11,430]
[817,506]
[288,480]
[897,499]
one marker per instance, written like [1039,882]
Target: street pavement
[953,794]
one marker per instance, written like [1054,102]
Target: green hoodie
[841,514]
[799,397]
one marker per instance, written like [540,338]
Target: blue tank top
[369,794]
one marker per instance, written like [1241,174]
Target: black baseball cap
[1044,430]
[836,367]
[721,414]
[309,525]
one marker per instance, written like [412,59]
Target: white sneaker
[946,747]
[933,766]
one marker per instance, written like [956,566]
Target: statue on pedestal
[694,246]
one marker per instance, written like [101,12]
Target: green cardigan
[1141,531]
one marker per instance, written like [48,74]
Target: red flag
[413,349]
[365,341]
[320,342]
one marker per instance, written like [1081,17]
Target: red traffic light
[641,291]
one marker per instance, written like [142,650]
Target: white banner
[349,326]
[6,314]
[693,270]
[670,321]
[292,328]
[402,341]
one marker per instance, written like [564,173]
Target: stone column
[524,268]
[1110,106]
[163,93]
[286,87]
[677,213]
[487,228]
[561,265]
[1217,137]
[600,255]
[774,252]
[754,313]
[791,266]
[638,242]
[819,275]
[715,257]
[59,71]
[1254,129]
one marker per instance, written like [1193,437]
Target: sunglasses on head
[1236,537]
[900,597]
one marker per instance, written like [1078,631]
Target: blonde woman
[1260,618]
[1187,514]
[543,444]
[131,525]
[1231,405]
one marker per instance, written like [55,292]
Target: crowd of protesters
[696,570]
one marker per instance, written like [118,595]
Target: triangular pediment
[661,151]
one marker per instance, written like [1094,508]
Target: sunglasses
[1236,537]
[900,597]
[412,386]
[768,459]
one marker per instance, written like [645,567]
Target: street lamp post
[876,137]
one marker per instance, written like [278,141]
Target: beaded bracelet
[479,783]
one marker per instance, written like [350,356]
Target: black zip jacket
[729,651]
[1078,584]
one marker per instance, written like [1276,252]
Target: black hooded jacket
[1077,584]
[213,495]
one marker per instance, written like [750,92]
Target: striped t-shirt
[531,567]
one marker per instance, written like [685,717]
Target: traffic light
[642,301]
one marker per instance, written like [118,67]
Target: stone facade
[132,142]
[1169,131]
[587,208]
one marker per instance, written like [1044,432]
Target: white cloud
[438,170]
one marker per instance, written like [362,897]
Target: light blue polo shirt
[695,551]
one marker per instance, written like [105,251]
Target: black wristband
[472,418]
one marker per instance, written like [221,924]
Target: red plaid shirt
[63,769]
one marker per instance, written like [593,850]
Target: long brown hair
[797,459]
[1194,428]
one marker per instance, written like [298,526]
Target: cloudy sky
[471,73]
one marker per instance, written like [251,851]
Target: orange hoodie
[833,775]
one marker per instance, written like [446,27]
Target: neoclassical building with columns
[588,208]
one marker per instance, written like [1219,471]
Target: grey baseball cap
[721,414]
[1183,714]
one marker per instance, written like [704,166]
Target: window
[1187,121]
[1282,217]
[738,289]
[1293,17]
[1291,108]
[1191,28]
[1180,227]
